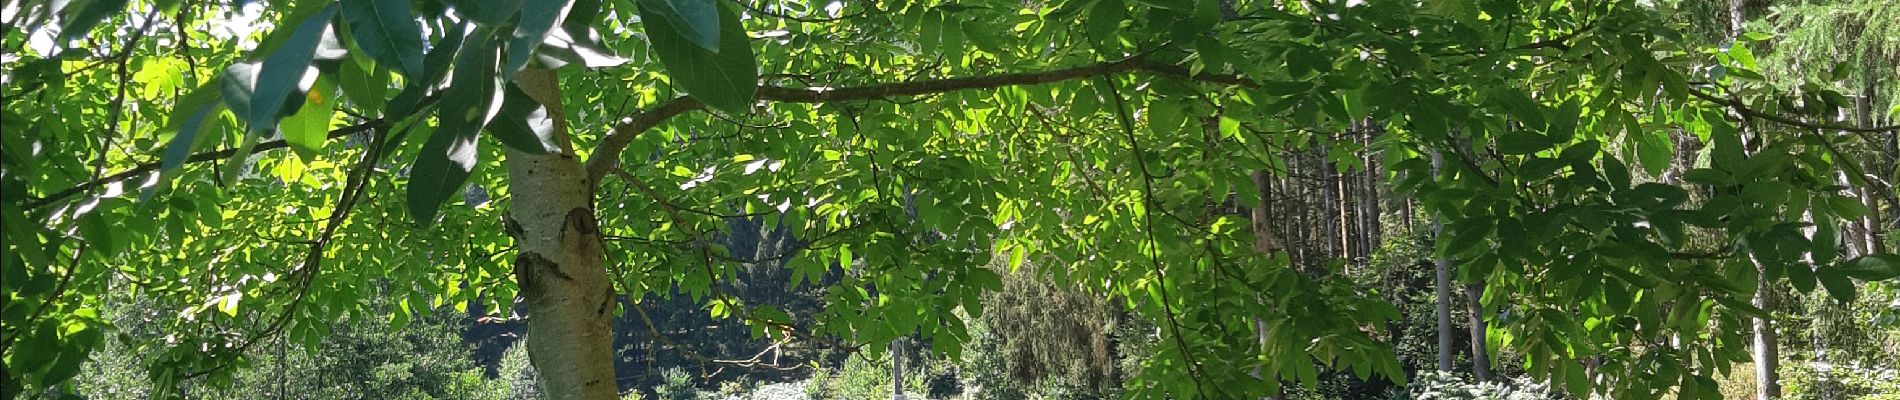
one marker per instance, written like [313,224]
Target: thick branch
[606,156]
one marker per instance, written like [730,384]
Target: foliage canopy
[906,141]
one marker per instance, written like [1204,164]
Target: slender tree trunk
[897,370]
[560,263]
[1442,291]
[1767,346]
[1865,118]
[1266,242]
[1480,354]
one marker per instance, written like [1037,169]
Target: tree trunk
[897,370]
[1266,242]
[1480,354]
[1767,347]
[560,263]
[1443,285]
[1864,111]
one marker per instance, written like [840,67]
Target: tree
[1004,127]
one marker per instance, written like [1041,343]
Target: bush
[1446,386]
[1822,381]
[518,378]
[862,378]
[676,385]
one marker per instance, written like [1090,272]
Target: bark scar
[607,303]
[528,266]
[511,227]
[582,220]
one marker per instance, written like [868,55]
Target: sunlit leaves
[725,79]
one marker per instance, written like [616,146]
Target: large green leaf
[79,17]
[435,65]
[366,89]
[1837,283]
[530,31]
[1104,20]
[488,13]
[1523,142]
[1655,151]
[469,103]
[1873,267]
[725,80]
[387,30]
[286,72]
[189,117]
[523,124]
[306,130]
[697,21]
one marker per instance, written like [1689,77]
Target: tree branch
[1743,109]
[147,168]
[606,155]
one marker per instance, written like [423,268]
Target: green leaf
[1466,235]
[66,366]
[489,13]
[1522,107]
[725,80]
[1104,21]
[530,31]
[696,21]
[286,72]
[1837,284]
[96,231]
[435,65]
[448,157]
[236,87]
[1742,56]
[1016,255]
[79,17]
[367,90]
[306,130]
[1826,241]
[1802,277]
[1655,151]
[188,119]
[1564,127]
[523,123]
[1521,142]
[1847,207]
[1872,267]
[387,30]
